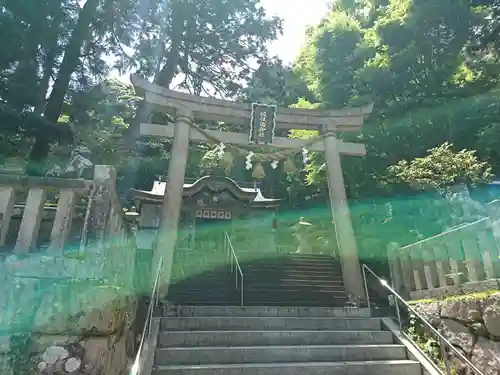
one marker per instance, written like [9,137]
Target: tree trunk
[163,78]
[48,64]
[27,69]
[43,85]
[69,64]
[167,73]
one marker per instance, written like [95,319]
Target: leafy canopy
[442,167]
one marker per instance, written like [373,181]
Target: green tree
[408,59]
[441,168]
[100,116]
[275,83]
[206,45]
[333,54]
[62,42]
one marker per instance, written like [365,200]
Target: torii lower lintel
[241,139]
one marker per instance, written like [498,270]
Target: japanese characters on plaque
[214,214]
[262,123]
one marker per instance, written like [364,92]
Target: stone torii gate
[186,109]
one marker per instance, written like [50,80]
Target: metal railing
[443,342]
[235,265]
[137,367]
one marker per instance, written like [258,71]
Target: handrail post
[226,248]
[398,313]
[366,288]
[232,260]
[237,267]
[444,356]
[241,295]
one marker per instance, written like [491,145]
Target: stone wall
[471,324]
[93,336]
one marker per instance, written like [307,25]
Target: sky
[297,15]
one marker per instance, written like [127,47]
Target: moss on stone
[477,295]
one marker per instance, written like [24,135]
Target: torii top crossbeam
[209,109]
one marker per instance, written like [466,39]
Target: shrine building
[207,201]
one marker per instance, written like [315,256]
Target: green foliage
[410,59]
[274,83]
[428,344]
[442,167]
[59,48]
[329,62]
[207,44]
[100,116]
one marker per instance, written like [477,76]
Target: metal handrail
[451,230]
[155,295]
[442,340]
[231,254]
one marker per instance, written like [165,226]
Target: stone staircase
[210,340]
[285,280]
[294,280]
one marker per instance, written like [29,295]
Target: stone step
[292,265]
[291,268]
[274,274]
[257,281]
[279,288]
[235,311]
[212,279]
[292,257]
[274,284]
[259,294]
[235,301]
[269,337]
[270,323]
[336,302]
[259,276]
[256,288]
[277,354]
[305,256]
[288,283]
[251,280]
[400,367]
[285,296]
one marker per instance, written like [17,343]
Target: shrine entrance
[208,234]
[211,207]
[261,122]
[203,230]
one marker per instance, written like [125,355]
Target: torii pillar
[346,240]
[172,200]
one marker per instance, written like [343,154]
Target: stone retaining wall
[471,325]
[94,336]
